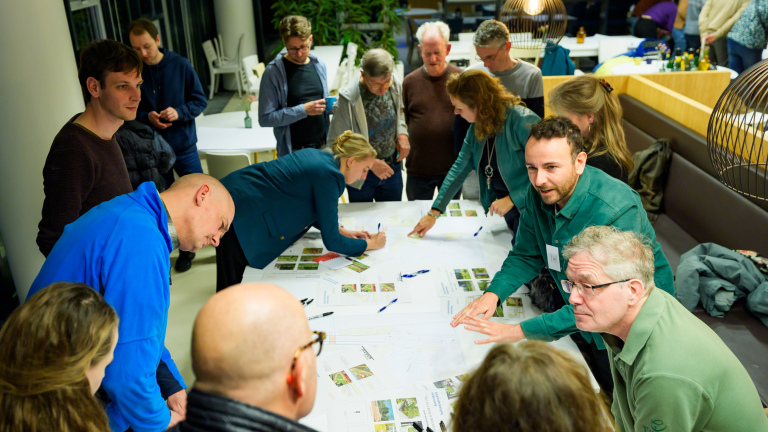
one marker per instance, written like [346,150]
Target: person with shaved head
[249,376]
[121,248]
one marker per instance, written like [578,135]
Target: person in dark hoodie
[171,98]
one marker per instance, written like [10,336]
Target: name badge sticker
[553,258]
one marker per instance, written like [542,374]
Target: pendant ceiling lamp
[735,135]
[534,23]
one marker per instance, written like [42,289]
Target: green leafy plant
[326,26]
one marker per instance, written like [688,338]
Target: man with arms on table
[293,91]
[249,376]
[171,98]
[85,166]
[121,248]
[566,196]
[671,371]
[429,114]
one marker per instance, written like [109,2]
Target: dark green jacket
[277,202]
[598,199]
[510,154]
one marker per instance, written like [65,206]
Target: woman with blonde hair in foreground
[55,348]
[530,387]
[590,103]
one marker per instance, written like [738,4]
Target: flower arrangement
[248,101]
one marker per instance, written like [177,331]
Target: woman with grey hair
[373,107]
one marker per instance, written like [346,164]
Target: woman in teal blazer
[278,201]
[494,147]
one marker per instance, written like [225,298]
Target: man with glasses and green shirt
[249,376]
[565,197]
[293,91]
[670,370]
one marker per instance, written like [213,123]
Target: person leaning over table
[671,371]
[278,201]
[565,197]
[494,147]
[587,101]
[373,107]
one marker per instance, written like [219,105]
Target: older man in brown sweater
[429,114]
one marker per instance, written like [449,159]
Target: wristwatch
[432,214]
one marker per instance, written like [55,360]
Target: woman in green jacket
[494,147]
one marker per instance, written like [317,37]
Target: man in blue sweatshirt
[171,98]
[121,248]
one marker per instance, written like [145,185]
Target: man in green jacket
[566,196]
[671,371]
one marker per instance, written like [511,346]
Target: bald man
[250,377]
[122,248]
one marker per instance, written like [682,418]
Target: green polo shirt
[675,374]
[598,199]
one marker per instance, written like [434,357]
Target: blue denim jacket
[274,111]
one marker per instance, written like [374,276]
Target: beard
[554,193]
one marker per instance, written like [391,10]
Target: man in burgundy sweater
[85,166]
[429,114]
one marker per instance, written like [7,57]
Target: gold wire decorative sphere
[735,135]
[534,23]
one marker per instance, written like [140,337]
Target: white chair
[250,79]
[216,68]
[221,164]
[341,76]
[351,59]
[528,53]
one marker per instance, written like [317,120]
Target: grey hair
[377,62]
[621,254]
[491,33]
[442,27]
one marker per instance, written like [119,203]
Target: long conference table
[371,357]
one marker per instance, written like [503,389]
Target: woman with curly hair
[55,349]
[530,387]
[589,102]
[494,147]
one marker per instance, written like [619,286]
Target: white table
[654,67]
[600,46]
[226,132]
[449,245]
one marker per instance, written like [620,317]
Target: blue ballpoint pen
[478,232]
[379,228]
[415,274]
[388,304]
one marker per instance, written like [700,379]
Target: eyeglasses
[377,86]
[491,58]
[585,288]
[316,344]
[296,50]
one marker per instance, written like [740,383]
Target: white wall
[233,18]
[39,93]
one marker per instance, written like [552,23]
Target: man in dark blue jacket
[171,98]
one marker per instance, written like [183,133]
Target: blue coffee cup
[329,101]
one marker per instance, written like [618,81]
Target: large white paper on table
[352,372]
[338,289]
[393,411]
[297,260]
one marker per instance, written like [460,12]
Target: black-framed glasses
[296,50]
[492,58]
[316,343]
[586,288]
